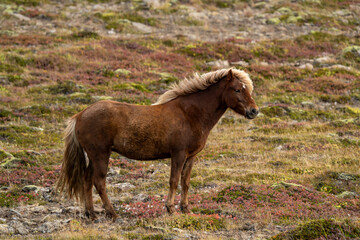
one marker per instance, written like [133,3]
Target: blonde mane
[198,83]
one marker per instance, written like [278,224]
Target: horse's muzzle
[252,113]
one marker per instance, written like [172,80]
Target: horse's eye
[237,90]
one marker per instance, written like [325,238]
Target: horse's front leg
[177,163]
[185,184]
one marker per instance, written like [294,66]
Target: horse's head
[237,97]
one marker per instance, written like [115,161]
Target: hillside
[291,173]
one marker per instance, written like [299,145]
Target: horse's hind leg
[88,186]
[100,170]
[185,184]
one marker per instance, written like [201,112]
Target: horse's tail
[73,167]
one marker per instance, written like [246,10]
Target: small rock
[348,195]
[123,186]
[307,66]
[4,229]
[350,69]
[30,188]
[260,5]
[12,212]
[71,209]
[218,64]
[20,17]
[346,176]
[55,210]
[47,194]
[307,104]
[141,198]
[324,61]
[122,71]
[142,27]
[99,98]
[18,227]
[287,185]
[154,3]
[50,227]
[343,12]
[39,129]
[111,32]
[248,227]
[49,218]
[279,148]
[240,63]
[38,209]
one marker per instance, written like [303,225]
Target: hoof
[185,209]
[170,209]
[112,215]
[115,217]
[90,215]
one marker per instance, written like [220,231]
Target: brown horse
[176,127]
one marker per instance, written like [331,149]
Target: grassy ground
[286,171]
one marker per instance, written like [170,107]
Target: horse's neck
[205,107]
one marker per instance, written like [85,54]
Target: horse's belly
[144,150]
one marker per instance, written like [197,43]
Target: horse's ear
[230,75]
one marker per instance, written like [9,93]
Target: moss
[66,87]
[19,134]
[322,228]
[285,10]
[79,97]
[168,42]
[17,80]
[343,99]
[273,21]
[112,19]
[5,155]
[189,21]
[321,37]
[351,52]
[18,60]
[85,34]
[222,3]
[31,3]
[131,86]
[5,113]
[354,111]
[336,183]
[10,68]
[197,223]
[275,111]
[205,211]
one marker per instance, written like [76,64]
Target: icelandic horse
[176,126]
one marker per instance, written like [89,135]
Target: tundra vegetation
[291,173]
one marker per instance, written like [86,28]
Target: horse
[176,126]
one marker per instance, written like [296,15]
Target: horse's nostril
[254,111]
